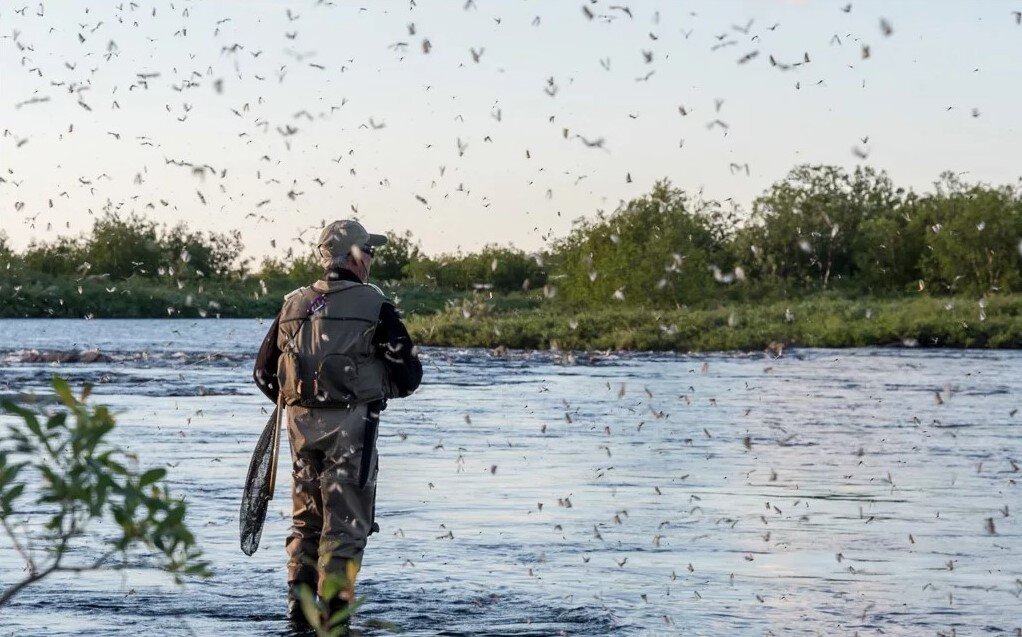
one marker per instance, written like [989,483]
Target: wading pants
[334,462]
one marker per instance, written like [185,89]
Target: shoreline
[836,323]
[733,327]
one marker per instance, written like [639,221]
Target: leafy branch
[83,480]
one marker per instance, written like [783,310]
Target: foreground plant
[76,479]
[332,620]
[320,613]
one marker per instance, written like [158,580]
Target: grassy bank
[813,322]
[46,296]
[527,320]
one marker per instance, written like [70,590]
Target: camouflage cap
[337,239]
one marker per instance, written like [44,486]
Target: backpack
[328,359]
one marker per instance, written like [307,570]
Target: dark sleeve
[398,352]
[265,372]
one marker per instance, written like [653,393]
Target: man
[336,352]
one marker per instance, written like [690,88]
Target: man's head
[347,244]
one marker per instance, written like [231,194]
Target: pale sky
[515,179]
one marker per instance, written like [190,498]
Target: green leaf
[63,391]
[55,484]
[332,586]
[175,516]
[336,621]
[30,419]
[7,498]
[151,477]
[56,420]
[8,472]
[199,569]
[309,607]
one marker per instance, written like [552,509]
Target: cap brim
[377,239]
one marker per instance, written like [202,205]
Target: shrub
[505,269]
[972,235]
[189,254]
[657,250]
[890,247]
[65,256]
[391,260]
[120,247]
[807,226]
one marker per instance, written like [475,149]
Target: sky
[517,118]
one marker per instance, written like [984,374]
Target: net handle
[278,412]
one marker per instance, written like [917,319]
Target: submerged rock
[63,356]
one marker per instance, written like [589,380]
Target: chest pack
[325,336]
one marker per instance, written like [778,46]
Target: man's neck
[341,274]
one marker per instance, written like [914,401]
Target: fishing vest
[327,355]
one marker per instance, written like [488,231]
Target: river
[831,492]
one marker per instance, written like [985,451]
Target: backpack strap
[308,311]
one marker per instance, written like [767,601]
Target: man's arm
[265,372]
[398,352]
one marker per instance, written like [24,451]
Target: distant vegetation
[820,233]
[821,320]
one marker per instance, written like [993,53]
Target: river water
[830,492]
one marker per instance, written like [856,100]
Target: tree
[291,270]
[972,237]
[190,253]
[64,256]
[658,249]
[64,477]
[505,269]
[391,261]
[889,249]
[806,227]
[121,247]
[508,269]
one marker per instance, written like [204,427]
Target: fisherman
[334,356]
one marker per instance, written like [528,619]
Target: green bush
[391,261]
[120,247]
[806,227]
[504,269]
[657,250]
[889,248]
[972,235]
[291,272]
[195,254]
[65,256]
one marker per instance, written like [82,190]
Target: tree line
[119,248]
[820,228]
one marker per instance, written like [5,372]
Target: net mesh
[256,497]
